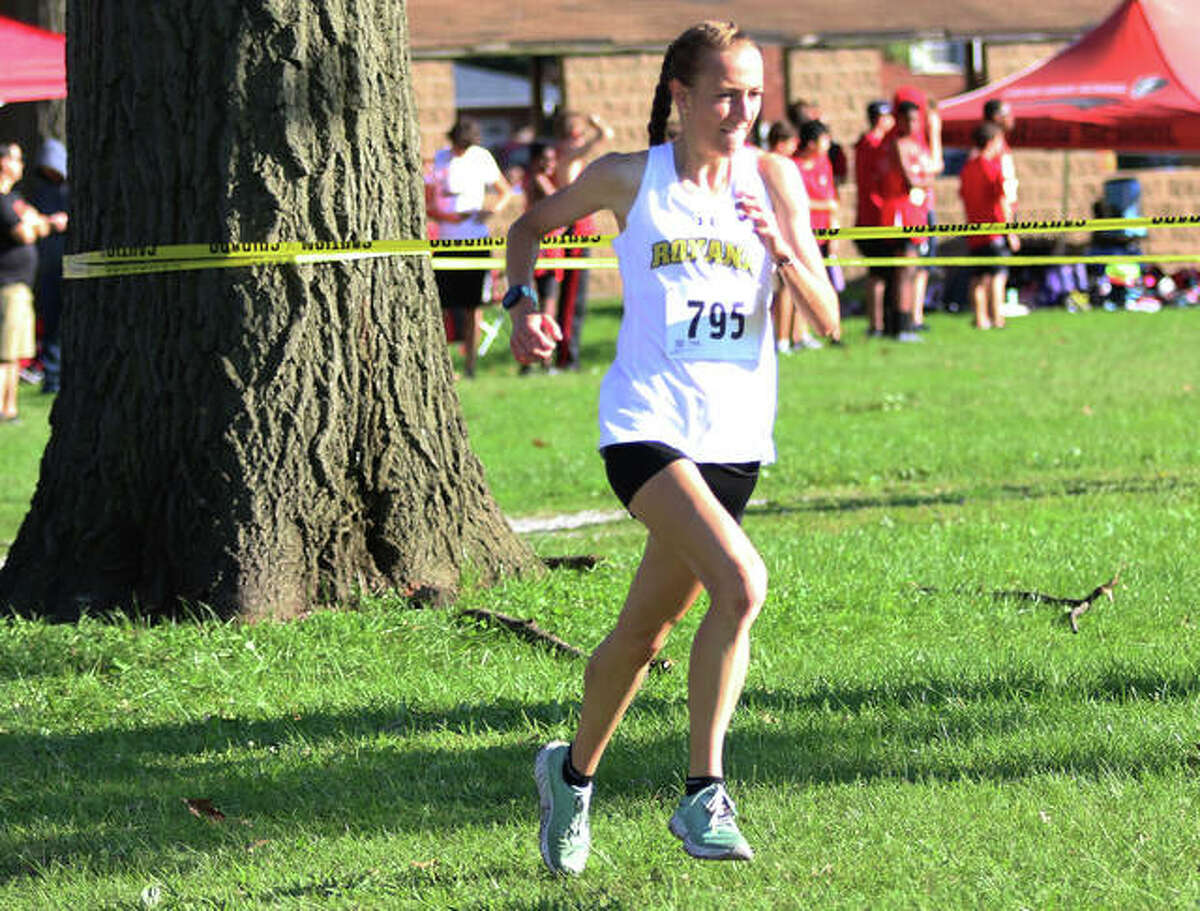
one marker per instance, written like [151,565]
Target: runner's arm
[789,239]
[610,182]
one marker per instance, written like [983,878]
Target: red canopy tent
[34,63]
[1132,83]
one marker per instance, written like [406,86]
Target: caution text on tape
[148,259]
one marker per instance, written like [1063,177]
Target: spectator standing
[928,134]
[816,171]
[801,111]
[579,138]
[463,176]
[783,139]
[931,141]
[50,193]
[870,163]
[982,187]
[539,183]
[21,226]
[904,190]
[999,112]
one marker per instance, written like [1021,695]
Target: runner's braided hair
[682,61]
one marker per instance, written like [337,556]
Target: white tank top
[695,365]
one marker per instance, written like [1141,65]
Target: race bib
[709,325]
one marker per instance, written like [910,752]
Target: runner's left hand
[764,223]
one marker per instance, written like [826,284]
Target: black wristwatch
[517,293]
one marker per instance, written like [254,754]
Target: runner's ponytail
[660,109]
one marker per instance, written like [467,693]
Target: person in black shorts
[630,465]
[708,226]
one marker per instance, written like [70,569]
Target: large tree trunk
[29,122]
[258,439]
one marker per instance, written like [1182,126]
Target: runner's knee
[742,590]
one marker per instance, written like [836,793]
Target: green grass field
[907,739]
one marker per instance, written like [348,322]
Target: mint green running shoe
[565,835]
[705,823]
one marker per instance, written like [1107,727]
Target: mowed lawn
[918,729]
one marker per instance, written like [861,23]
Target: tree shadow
[116,796]
[1070,487]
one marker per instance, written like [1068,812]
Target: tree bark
[259,440]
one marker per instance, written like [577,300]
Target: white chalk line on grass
[567,521]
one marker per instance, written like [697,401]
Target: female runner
[686,410]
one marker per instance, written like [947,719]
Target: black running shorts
[630,465]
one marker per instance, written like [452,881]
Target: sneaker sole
[541,775]
[700,852]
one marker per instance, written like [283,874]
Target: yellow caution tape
[143,260]
[922,261]
[610,262]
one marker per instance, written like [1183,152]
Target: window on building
[503,94]
[936,56]
[1137,161]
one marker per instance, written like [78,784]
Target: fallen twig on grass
[1106,590]
[202,807]
[579,561]
[1076,607]
[526,629]
[531,632]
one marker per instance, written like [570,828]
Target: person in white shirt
[462,178]
[707,226]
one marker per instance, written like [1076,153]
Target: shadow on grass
[1069,487]
[111,799]
[386,887]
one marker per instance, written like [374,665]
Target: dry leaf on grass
[203,808]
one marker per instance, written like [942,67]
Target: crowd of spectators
[32,225]
[894,164]
[465,189]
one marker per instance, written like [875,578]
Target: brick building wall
[841,82]
[619,88]
[433,93]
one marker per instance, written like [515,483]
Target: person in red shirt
[816,170]
[929,134]
[904,191]
[998,111]
[812,158]
[982,188]
[870,160]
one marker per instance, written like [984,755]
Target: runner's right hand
[534,334]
